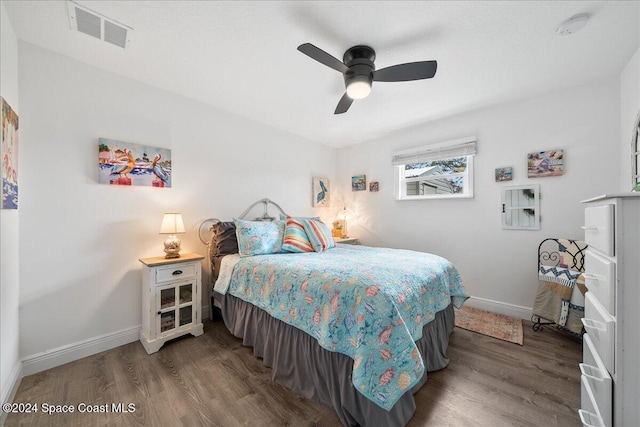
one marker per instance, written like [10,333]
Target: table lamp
[342,217]
[172,224]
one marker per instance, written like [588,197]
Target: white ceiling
[242,57]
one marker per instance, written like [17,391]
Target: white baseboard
[512,310]
[68,353]
[14,382]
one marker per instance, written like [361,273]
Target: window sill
[438,197]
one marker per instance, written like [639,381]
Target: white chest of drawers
[610,380]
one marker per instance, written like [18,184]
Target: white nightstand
[171,299]
[346,240]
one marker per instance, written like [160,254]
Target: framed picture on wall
[374,186]
[358,183]
[504,174]
[545,163]
[321,193]
[126,163]
[9,155]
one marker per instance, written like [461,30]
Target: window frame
[400,182]
[635,155]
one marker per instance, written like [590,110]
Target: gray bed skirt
[299,363]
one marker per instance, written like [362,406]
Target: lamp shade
[343,214]
[172,224]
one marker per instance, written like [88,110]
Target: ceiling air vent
[95,24]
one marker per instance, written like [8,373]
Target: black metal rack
[549,255]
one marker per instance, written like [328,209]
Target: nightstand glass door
[166,320]
[186,304]
[176,306]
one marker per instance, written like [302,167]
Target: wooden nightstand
[171,299]
[347,240]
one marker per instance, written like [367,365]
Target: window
[443,170]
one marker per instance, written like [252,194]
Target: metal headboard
[204,231]
[265,216]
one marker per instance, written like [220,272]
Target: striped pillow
[319,235]
[295,238]
[284,217]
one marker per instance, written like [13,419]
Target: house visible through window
[442,170]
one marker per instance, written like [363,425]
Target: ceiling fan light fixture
[358,87]
[359,71]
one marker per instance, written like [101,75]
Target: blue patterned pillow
[295,238]
[319,234]
[259,237]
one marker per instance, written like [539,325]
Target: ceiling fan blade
[406,72]
[322,57]
[343,105]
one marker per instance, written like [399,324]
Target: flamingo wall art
[125,163]
[9,154]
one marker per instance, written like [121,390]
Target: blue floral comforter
[368,303]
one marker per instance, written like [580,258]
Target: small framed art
[374,186]
[321,193]
[545,163]
[504,174]
[358,183]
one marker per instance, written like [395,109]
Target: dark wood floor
[212,380]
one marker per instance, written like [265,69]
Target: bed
[353,327]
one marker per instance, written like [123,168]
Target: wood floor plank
[213,380]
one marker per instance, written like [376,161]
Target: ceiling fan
[360,72]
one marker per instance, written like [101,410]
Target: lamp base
[172,247]
[345,232]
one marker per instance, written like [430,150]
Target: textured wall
[9,222]
[83,239]
[629,111]
[498,265]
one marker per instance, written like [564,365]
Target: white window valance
[444,150]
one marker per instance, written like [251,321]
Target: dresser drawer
[176,272]
[601,329]
[598,228]
[598,379]
[589,415]
[600,279]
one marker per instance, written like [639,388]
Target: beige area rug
[491,324]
